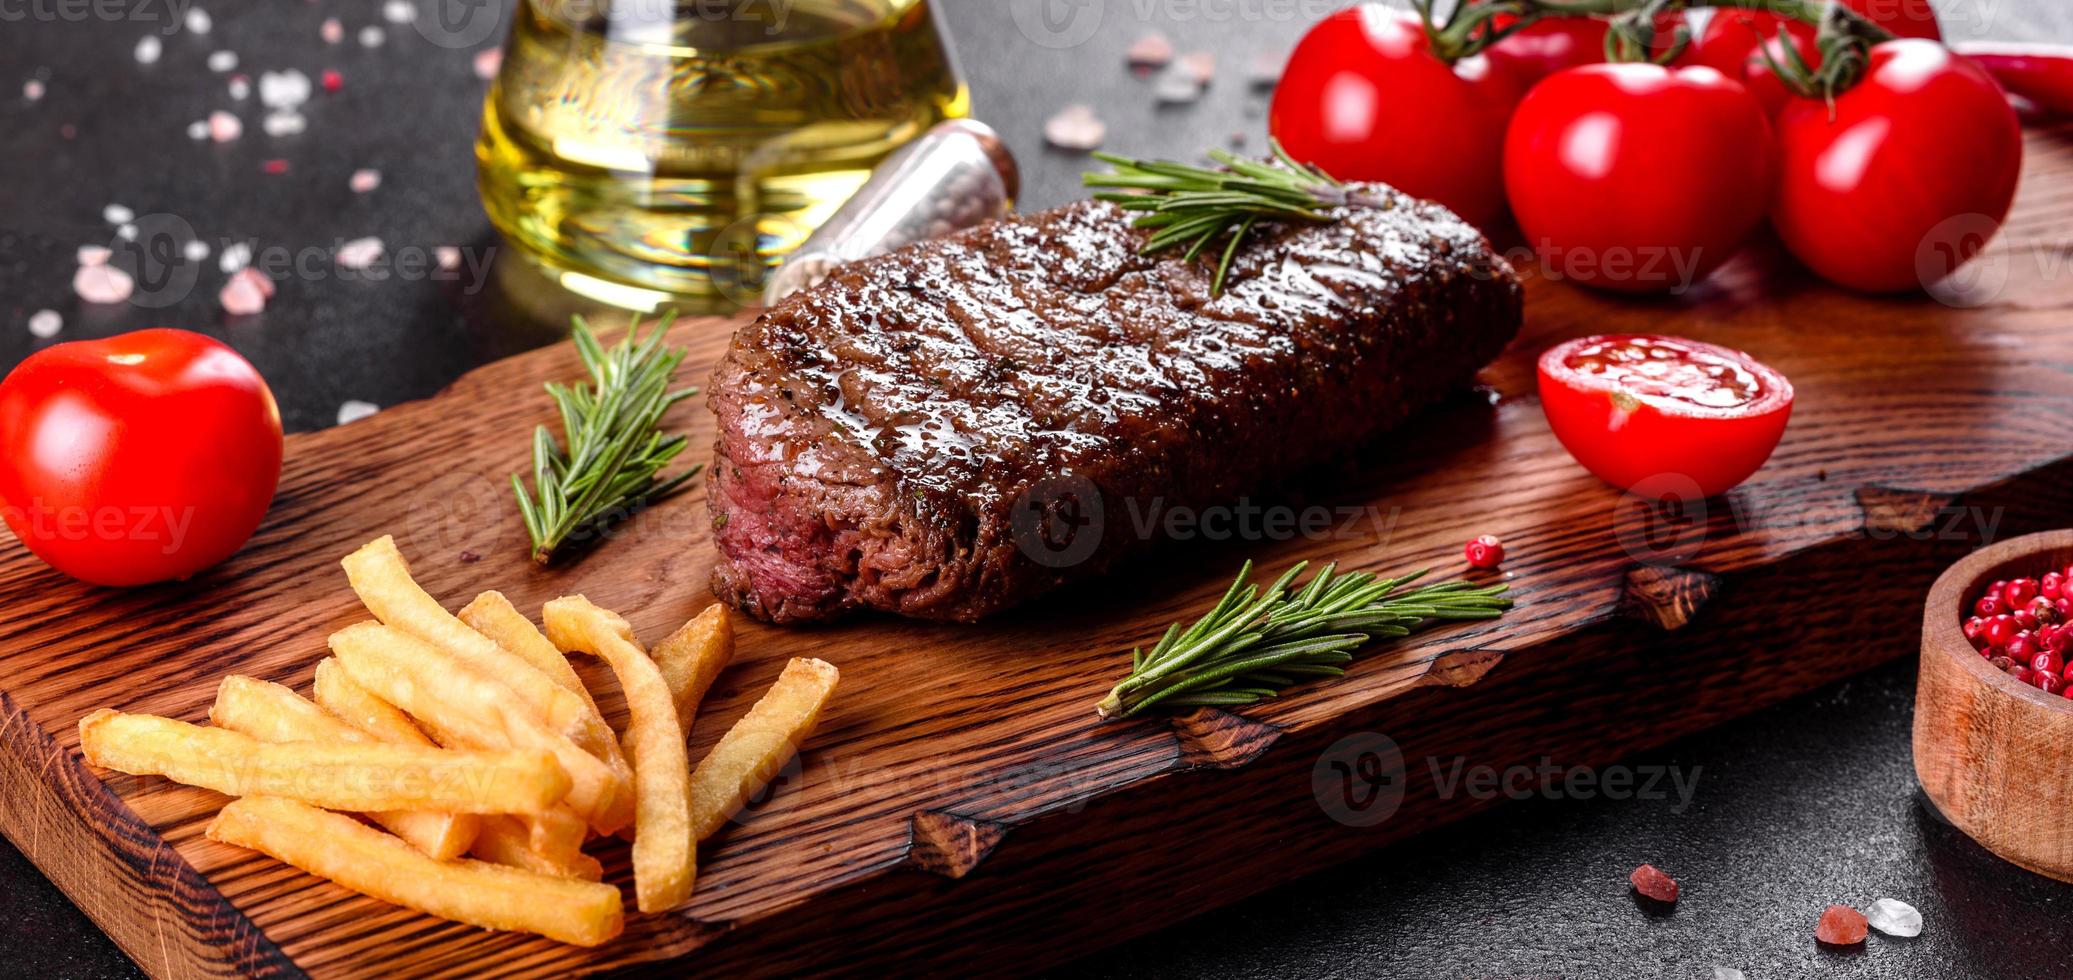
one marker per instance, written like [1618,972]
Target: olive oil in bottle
[652,152]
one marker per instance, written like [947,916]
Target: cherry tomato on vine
[1763,81]
[1364,97]
[1637,177]
[1731,37]
[1907,178]
[1663,416]
[139,458]
[1555,42]
[1548,45]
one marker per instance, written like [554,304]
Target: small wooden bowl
[1994,754]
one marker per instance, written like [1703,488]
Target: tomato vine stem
[1471,26]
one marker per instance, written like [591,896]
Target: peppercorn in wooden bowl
[1991,741]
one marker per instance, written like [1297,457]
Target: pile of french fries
[457,764]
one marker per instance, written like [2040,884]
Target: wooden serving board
[962,807]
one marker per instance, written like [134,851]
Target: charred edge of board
[1461,668]
[949,844]
[1211,738]
[1890,511]
[1666,596]
[210,920]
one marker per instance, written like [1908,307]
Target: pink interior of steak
[800,556]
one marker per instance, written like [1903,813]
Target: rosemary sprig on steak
[1255,643]
[1196,206]
[615,444]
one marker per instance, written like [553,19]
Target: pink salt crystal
[1200,65]
[93,254]
[68,131]
[274,167]
[32,90]
[1840,925]
[1654,884]
[1176,84]
[332,31]
[333,81]
[353,410]
[224,127]
[1150,51]
[45,324]
[487,62]
[364,181]
[448,257]
[359,253]
[102,284]
[1075,127]
[246,293]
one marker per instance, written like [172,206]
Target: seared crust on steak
[880,433]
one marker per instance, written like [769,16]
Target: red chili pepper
[2041,73]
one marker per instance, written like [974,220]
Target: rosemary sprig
[1254,643]
[615,446]
[1195,206]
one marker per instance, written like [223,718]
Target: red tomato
[1637,177]
[1364,98]
[139,458]
[1907,180]
[1553,43]
[1548,45]
[1663,416]
[1763,82]
[1731,36]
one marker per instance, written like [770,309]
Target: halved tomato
[1664,417]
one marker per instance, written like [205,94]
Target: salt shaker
[954,176]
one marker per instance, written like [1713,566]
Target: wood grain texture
[961,806]
[1990,750]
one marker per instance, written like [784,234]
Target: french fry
[495,617]
[665,856]
[272,713]
[365,860]
[382,579]
[760,743]
[557,831]
[693,656]
[339,694]
[557,834]
[359,777]
[507,841]
[459,701]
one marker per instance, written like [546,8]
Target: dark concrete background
[1808,803]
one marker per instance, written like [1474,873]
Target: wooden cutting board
[962,807]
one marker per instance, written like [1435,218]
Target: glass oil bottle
[671,152]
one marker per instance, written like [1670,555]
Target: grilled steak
[952,428]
